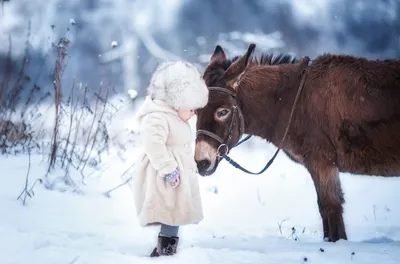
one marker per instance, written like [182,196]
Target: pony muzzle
[205,156]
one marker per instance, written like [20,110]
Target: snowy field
[241,211]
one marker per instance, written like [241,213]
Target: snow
[132,93]
[240,224]
[114,44]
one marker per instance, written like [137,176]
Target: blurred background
[120,42]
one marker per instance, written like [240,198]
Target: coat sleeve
[155,130]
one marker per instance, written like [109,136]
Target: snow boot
[166,246]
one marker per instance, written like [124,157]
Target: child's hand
[173,178]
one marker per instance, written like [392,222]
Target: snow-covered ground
[240,225]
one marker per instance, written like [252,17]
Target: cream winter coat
[166,140]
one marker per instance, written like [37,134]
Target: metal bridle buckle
[218,150]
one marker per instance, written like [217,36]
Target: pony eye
[222,113]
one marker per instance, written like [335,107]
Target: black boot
[166,246]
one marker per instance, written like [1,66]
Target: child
[165,183]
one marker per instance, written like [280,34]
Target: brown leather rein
[237,112]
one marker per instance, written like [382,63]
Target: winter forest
[72,76]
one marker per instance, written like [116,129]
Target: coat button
[186,145]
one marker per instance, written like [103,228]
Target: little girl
[165,182]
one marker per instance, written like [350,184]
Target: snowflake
[114,44]
[132,93]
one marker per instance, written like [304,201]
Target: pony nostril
[203,165]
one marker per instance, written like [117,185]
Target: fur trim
[178,84]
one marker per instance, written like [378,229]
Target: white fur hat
[178,84]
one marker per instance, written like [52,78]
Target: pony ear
[238,67]
[218,55]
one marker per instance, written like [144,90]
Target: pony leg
[324,217]
[330,201]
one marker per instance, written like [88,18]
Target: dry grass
[78,128]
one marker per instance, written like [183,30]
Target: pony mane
[228,62]
[275,59]
[266,59]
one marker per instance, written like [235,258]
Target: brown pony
[343,112]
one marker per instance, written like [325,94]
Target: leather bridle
[236,113]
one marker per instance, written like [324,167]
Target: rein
[237,111]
